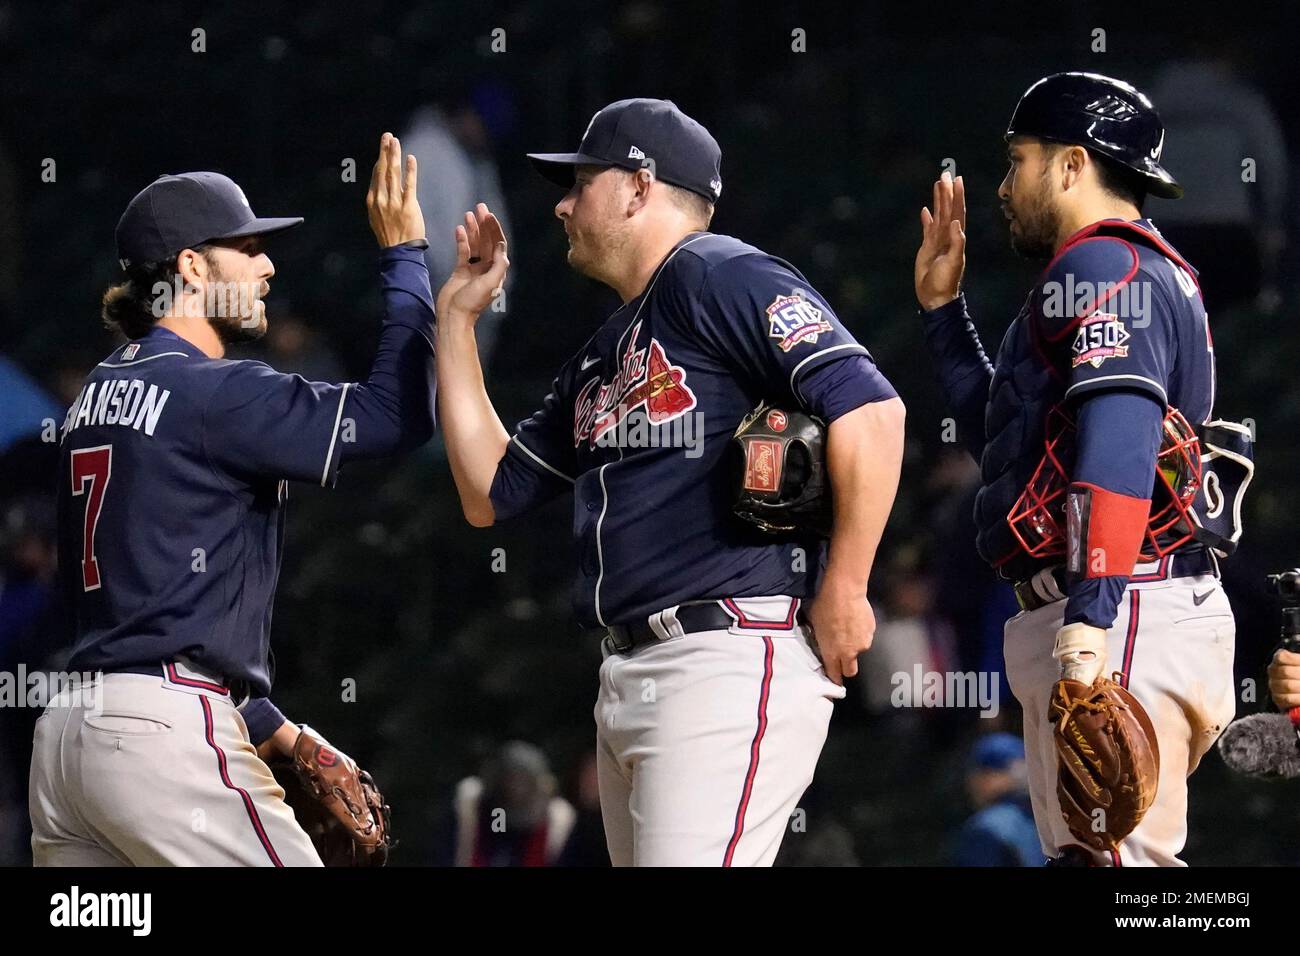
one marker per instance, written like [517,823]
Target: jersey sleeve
[260,422]
[964,370]
[1114,468]
[262,718]
[265,423]
[540,460]
[769,324]
[838,387]
[1113,320]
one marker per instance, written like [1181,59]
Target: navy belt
[1050,584]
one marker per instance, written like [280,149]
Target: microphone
[1267,746]
[1263,746]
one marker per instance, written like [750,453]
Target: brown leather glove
[1108,761]
[336,803]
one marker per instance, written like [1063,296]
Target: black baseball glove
[778,466]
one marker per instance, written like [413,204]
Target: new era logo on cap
[634,133]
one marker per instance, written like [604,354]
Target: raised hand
[941,259]
[391,203]
[481,265]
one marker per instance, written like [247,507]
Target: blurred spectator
[27,639]
[293,344]
[27,566]
[968,593]
[963,579]
[510,815]
[1229,225]
[452,146]
[829,844]
[910,635]
[70,373]
[1002,831]
[586,844]
[816,835]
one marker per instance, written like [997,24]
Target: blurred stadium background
[828,155]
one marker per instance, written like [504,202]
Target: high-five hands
[481,265]
[941,259]
[391,203]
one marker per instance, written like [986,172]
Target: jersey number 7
[91,469]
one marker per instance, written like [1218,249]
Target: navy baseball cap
[996,751]
[632,134]
[185,210]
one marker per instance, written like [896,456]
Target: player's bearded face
[594,216]
[234,296]
[1029,202]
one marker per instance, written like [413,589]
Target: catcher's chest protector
[1022,393]
[1044,353]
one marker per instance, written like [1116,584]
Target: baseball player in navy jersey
[722,655]
[1112,339]
[173,475]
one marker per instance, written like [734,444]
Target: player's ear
[642,181]
[191,266]
[1074,160]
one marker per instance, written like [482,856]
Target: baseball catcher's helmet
[1038,517]
[1102,114]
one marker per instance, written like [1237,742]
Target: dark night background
[828,156]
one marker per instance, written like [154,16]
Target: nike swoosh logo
[1199,599]
[588,363]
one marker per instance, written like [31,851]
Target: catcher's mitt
[1108,762]
[336,802]
[778,466]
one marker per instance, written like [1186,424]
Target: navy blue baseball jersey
[638,422]
[173,476]
[1116,311]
